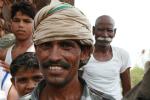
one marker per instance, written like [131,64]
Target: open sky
[132,19]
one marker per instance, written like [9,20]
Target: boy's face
[26,81]
[21,26]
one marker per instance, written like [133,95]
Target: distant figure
[108,66]
[25,73]
[143,58]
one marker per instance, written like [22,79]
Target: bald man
[108,66]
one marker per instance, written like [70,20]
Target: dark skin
[61,83]
[19,23]
[104,27]
[72,91]
[21,26]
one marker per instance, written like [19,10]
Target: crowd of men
[47,52]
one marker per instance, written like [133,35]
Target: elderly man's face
[59,61]
[104,31]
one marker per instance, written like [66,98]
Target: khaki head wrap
[59,22]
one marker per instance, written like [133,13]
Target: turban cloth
[59,22]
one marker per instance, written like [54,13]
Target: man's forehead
[31,72]
[21,15]
[61,41]
[105,20]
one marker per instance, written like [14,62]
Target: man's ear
[93,29]
[13,81]
[85,54]
[115,29]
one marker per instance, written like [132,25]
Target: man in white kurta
[108,68]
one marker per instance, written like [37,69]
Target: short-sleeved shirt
[86,95]
[105,76]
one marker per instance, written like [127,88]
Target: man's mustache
[50,63]
[104,39]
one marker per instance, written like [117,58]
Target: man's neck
[103,53]
[25,43]
[72,91]
[20,47]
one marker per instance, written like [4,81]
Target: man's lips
[55,70]
[20,31]
[56,65]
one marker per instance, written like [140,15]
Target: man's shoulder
[120,51]
[7,40]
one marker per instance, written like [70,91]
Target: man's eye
[45,46]
[28,21]
[109,30]
[66,45]
[37,78]
[101,30]
[16,20]
[23,80]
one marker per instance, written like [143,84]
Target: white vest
[105,76]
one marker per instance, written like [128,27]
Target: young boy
[25,73]
[22,15]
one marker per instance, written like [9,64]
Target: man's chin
[57,83]
[103,44]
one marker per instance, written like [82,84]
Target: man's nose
[105,33]
[55,53]
[21,23]
[31,85]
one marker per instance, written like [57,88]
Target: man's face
[26,81]
[104,32]
[21,26]
[59,61]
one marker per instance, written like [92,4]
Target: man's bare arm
[125,81]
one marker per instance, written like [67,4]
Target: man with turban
[63,43]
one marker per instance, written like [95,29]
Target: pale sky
[132,19]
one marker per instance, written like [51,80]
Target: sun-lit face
[104,31]
[26,81]
[21,26]
[59,61]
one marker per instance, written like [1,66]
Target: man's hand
[5,66]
